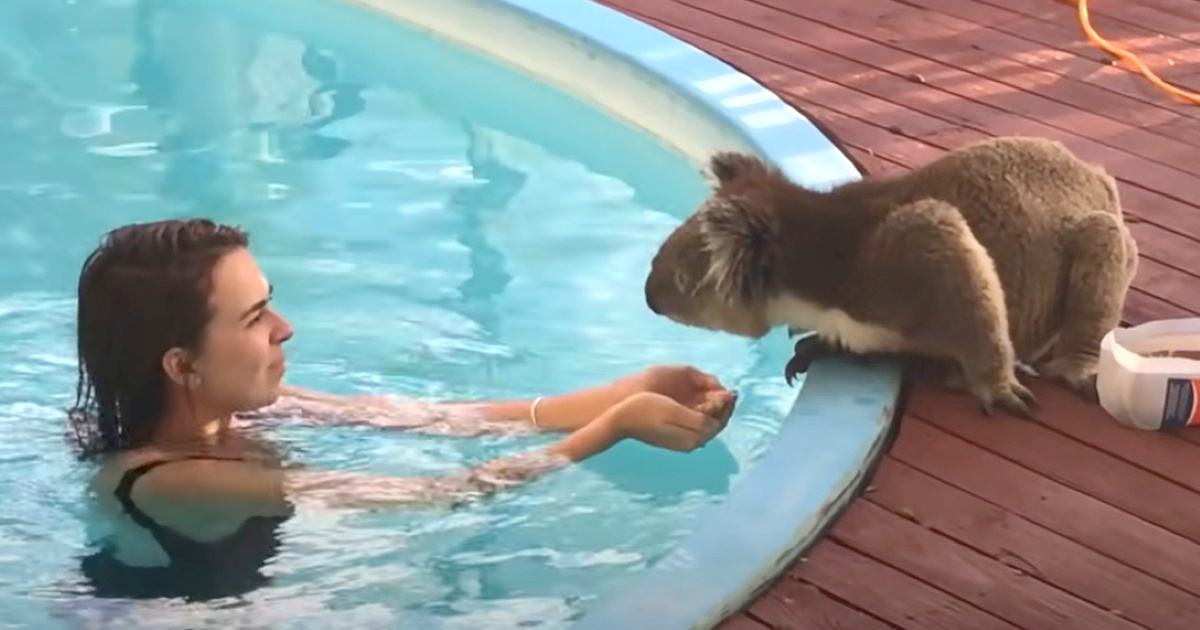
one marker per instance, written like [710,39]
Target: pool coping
[743,544]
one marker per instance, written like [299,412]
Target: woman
[181,354]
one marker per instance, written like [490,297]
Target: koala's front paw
[808,349]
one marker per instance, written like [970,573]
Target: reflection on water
[435,224]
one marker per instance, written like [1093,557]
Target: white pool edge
[698,104]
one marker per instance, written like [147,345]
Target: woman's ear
[177,364]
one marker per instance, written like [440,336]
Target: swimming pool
[436,223]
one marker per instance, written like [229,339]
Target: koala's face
[686,285]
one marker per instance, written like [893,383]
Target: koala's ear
[737,238]
[726,166]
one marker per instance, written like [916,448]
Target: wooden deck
[970,523]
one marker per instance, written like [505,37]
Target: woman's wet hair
[143,291]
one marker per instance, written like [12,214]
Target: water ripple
[126,150]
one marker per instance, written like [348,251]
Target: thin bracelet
[533,411]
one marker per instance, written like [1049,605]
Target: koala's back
[1024,184]
[1021,198]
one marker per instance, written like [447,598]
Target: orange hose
[1179,94]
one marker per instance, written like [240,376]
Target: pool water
[435,225]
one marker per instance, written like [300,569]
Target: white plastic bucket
[1141,385]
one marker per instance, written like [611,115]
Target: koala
[1003,255]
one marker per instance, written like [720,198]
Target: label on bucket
[1182,408]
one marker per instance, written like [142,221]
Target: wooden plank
[1152,207]
[1147,40]
[952,94]
[1063,48]
[1066,29]
[1170,284]
[701,27]
[1167,247]
[1017,597]
[1159,453]
[1142,17]
[818,97]
[742,622]
[1076,515]
[1141,307]
[889,594]
[1186,129]
[794,605]
[871,162]
[1053,455]
[1028,547]
[888,144]
[1186,9]
[960,45]
[1168,46]
[1191,435]
[696,27]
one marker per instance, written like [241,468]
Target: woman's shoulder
[224,490]
[203,496]
[112,468]
[162,475]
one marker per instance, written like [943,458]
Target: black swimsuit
[197,571]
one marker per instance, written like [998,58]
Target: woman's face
[241,361]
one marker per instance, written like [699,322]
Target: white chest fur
[834,325]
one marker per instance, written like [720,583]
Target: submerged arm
[345,489]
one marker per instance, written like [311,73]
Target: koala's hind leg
[1102,258]
[938,286]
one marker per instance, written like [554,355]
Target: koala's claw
[1016,399]
[808,349]
[795,366]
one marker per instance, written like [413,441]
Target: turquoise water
[435,224]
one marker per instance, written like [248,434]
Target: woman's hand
[658,420]
[684,384]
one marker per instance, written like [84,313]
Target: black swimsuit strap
[125,489]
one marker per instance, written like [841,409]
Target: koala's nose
[650,301]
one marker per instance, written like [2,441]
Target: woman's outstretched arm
[562,412]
